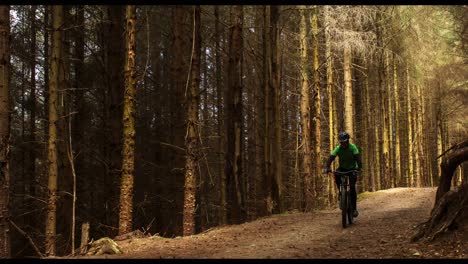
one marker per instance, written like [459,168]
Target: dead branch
[38,252]
[456,146]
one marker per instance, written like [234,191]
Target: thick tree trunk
[178,127]
[4,131]
[449,164]
[220,116]
[192,131]
[277,159]
[236,212]
[128,149]
[114,61]
[309,192]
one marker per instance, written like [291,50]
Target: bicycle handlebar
[344,172]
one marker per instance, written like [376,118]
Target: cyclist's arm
[357,158]
[329,161]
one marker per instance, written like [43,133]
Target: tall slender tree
[191,138]
[51,220]
[128,119]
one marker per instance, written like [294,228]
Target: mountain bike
[345,197]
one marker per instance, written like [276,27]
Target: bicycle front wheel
[349,207]
[344,208]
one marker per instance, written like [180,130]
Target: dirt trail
[382,230]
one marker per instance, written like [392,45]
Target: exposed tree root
[450,213]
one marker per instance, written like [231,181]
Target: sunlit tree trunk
[376,123]
[316,119]
[5,250]
[397,124]
[420,153]
[236,213]
[192,131]
[331,105]
[368,135]
[128,149]
[309,193]
[410,172]
[348,92]
[390,180]
[51,220]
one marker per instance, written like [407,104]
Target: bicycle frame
[345,197]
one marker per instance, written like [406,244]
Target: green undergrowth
[365,195]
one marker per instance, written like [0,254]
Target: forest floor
[386,222]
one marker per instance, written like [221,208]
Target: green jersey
[347,160]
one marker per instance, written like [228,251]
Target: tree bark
[114,60]
[220,116]
[348,93]
[309,192]
[5,250]
[191,140]
[235,210]
[316,119]
[32,108]
[448,166]
[51,220]
[128,119]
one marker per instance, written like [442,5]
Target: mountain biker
[350,159]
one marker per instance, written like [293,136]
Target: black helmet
[343,137]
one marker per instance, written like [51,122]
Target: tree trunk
[277,159]
[396,97]
[331,102]
[192,130]
[51,220]
[233,165]
[178,113]
[5,250]
[316,119]
[114,61]
[390,180]
[449,164]
[78,125]
[348,92]
[309,192]
[220,116]
[32,119]
[128,120]
[267,82]
[410,172]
